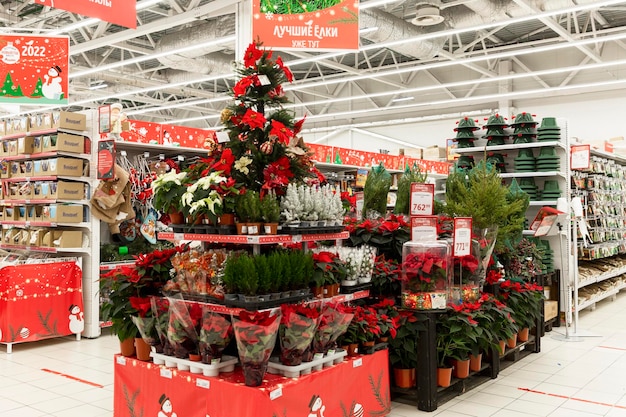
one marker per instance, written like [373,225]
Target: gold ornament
[225,115]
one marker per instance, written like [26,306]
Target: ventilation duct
[428,13]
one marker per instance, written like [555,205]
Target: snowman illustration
[167,138]
[77,323]
[316,406]
[51,87]
[166,407]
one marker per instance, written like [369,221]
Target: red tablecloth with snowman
[357,387]
[40,301]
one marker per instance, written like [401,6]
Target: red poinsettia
[297,126]
[242,86]
[141,304]
[253,119]
[252,55]
[277,174]
[296,331]
[276,92]
[282,132]
[422,271]
[286,70]
[225,163]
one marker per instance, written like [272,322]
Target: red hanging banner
[120,12]
[299,25]
[34,69]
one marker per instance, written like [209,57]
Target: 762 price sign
[462,236]
[422,199]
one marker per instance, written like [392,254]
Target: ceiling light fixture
[401,99]
[97,85]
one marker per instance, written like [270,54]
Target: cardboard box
[412,152]
[12,236]
[72,121]
[45,238]
[52,120]
[551,310]
[67,239]
[434,153]
[36,236]
[69,167]
[20,124]
[63,213]
[37,122]
[64,142]
[28,168]
[21,191]
[21,213]
[12,144]
[34,213]
[4,148]
[26,145]
[65,190]
[10,214]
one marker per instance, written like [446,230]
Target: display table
[356,387]
[40,301]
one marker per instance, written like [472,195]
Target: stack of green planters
[525,161]
[529,187]
[465,132]
[549,130]
[524,128]
[551,190]
[497,160]
[548,160]
[548,255]
[495,130]
[465,162]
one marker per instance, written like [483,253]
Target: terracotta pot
[242,228]
[318,292]
[227,219]
[127,347]
[476,362]
[330,290]
[143,349]
[177,217]
[254,228]
[270,228]
[195,357]
[462,368]
[502,346]
[368,344]
[383,339]
[522,335]
[353,349]
[512,342]
[444,377]
[404,378]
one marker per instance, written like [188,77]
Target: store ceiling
[482,49]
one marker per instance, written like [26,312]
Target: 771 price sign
[462,241]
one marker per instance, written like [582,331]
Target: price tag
[331,352]
[423,228]
[277,393]
[165,373]
[318,356]
[462,239]
[422,199]
[121,360]
[579,156]
[203,383]
[357,362]
[360,201]
[179,236]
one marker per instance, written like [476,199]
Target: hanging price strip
[360,200]
[422,199]
[423,228]
[462,236]
[580,156]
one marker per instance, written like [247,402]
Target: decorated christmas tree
[10,89]
[37,91]
[264,152]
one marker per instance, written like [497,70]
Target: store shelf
[46,178]
[109,266]
[542,203]
[42,155]
[13,202]
[158,149]
[607,247]
[253,239]
[341,298]
[43,132]
[618,158]
[45,249]
[602,277]
[532,174]
[24,223]
[592,301]
[513,146]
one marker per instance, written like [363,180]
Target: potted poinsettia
[168,190]
[203,199]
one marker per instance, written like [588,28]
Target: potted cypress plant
[248,279]
[270,213]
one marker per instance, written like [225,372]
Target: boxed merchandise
[20,124]
[36,237]
[37,122]
[20,191]
[66,239]
[412,152]
[63,213]
[12,145]
[26,145]
[65,190]
[72,121]
[3,128]
[64,142]
[10,214]
[34,213]
[52,120]
[551,309]
[61,166]
[28,168]
[434,153]
[11,236]
[21,213]
[4,148]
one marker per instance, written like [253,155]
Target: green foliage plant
[410,175]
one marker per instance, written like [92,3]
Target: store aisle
[65,378]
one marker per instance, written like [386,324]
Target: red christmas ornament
[267,147]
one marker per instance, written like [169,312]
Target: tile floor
[568,379]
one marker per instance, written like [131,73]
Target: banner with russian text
[34,69]
[294,24]
[120,12]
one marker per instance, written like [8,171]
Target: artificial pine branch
[385,403]
[130,402]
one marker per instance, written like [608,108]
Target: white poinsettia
[171,176]
[242,163]
[199,195]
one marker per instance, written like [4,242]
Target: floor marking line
[611,347]
[582,400]
[73,378]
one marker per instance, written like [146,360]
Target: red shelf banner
[34,69]
[329,28]
[120,12]
[40,301]
[358,386]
